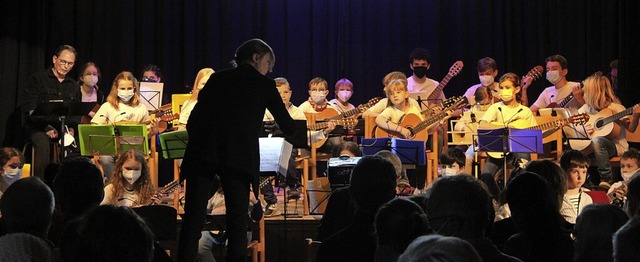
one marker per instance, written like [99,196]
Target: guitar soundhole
[599,124]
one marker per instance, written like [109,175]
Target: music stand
[509,140]
[61,110]
[421,98]
[174,143]
[102,139]
[151,95]
[410,152]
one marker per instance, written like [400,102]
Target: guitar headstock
[449,102]
[580,119]
[455,68]
[459,103]
[535,72]
[170,187]
[346,122]
[169,117]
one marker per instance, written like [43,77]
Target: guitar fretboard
[565,100]
[438,90]
[549,125]
[603,122]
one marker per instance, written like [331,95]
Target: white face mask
[486,80]
[318,96]
[553,76]
[131,175]
[344,95]
[449,172]
[627,176]
[125,95]
[90,80]
[506,95]
[11,175]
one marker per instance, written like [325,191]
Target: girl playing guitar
[600,100]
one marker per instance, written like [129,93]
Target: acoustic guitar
[603,125]
[435,95]
[564,101]
[332,114]
[418,127]
[579,119]
[167,189]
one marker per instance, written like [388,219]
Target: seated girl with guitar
[375,110]
[123,105]
[607,125]
[397,107]
[201,80]
[508,113]
[130,184]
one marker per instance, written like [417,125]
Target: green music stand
[174,143]
[102,139]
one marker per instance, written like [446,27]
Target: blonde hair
[113,98]
[598,93]
[281,81]
[201,74]
[396,85]
[143,184]
[318,80]
[394,75]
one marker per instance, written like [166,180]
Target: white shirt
[384,103]
[510,114]
[128,199]
[185,112]
[427,87]
[552,94]
[395,115]
[621,140]
[107,114]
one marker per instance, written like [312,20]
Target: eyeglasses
[64,62]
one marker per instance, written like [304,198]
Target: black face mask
[420,71]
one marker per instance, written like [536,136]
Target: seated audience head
[594,229]
[110,233]
[398,222]
[27,207]
[25,247]
[347,148]
[632,204]
[467,215]
[11,162]
[78,186]
[629,164]
[626,241]
[373,183]
[151,73]
[534,207]
[439,248]
[553,176]
[395,160]
[452,161]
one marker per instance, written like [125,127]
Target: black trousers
[235,184]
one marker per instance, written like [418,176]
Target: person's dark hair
[110,233]
[573,159]
[614,64]
[373,183]
[516,80]
[535,212]
[553,175]
[452,155]
[349,146]
[398,222]
[84,67]
[65,47]
[632,153]
[453,213]
[626,241]
[633,196]
[439,248]
[245,52]
[7,153]
[419,54]
[558,58]
[78,187]
[594,229]
[151,67]
[486,63]
[482,93]
[27,207]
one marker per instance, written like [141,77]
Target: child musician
[504,113]
[599,97]
[130,184]
[398,106]
[343,92]
[123,105]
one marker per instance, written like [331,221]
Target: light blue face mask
[11,175]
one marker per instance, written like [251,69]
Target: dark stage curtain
[361,40]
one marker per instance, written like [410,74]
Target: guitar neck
[438,90]
[614,117]
[429,121]
[549,125]
[565,100]
[349,113]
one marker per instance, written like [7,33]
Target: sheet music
[151,95]
[274,154]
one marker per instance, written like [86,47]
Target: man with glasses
[54,84]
